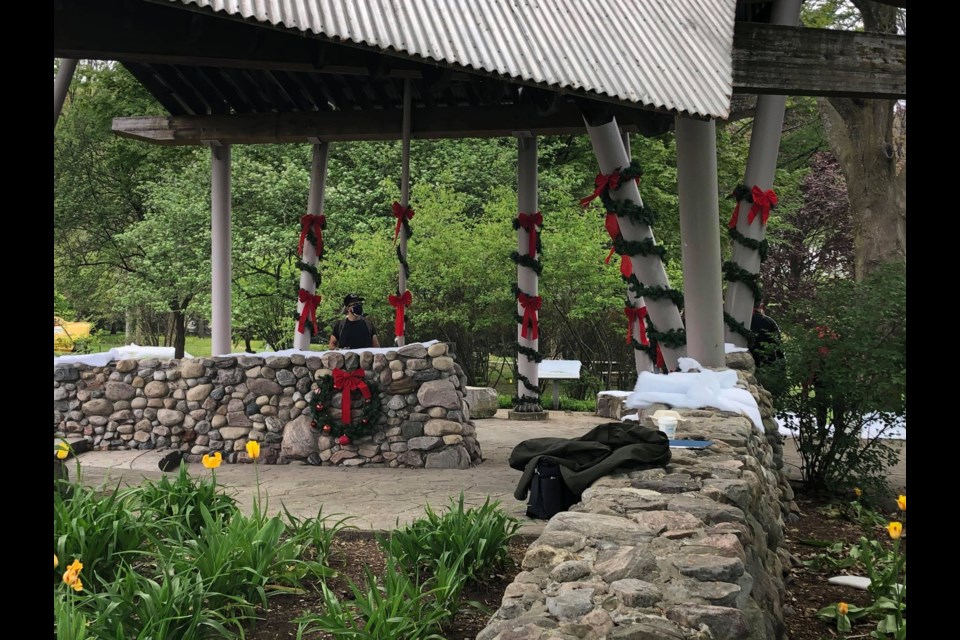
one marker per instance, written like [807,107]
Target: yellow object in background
[66,333]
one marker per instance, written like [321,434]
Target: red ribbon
[636,314]
[602,182]
[347,382]
[316,223]
[530,222]
[530,304]
[736,216]
[401,213]
[762,201]
[310,303]
[660,363]
[400,303]
[626,266]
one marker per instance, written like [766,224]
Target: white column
[611,155]
[60,85]
[404,192]
[318,177]
[527,278]
[700,237]
[761,166]
[220,260]
[641,358]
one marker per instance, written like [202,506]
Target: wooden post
[700,238]
[641,358]
[611,155]
[61,84]
[761,166]
[220,258]
[528,379]
[404,194]
[318,177]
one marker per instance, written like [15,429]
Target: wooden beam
[794,61]
[474,122]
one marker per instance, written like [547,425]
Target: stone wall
[690,551]
[200,405]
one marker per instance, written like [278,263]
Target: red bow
[602,182]
[347,382]
[317,224]
[401,213]
[530,222]
[530,304]
[762,201]
[660,363]
[735,217]
[626,266]
[399,303]
[636,314]
[310,303]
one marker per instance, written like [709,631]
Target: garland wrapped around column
[401,299]
[529,321]
[761,203]
[310,250]
[643,214]
[350,427]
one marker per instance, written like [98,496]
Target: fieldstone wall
[690,551]
[200,405]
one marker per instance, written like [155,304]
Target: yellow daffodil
[212,462]
[62,450]
[55,561]
[253,449]
[902,503]
[857,491]
[842,608]
[895,529]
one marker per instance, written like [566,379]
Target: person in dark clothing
[765,346]
[355,331]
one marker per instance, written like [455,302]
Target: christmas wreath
[348,426]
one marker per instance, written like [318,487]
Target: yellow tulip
[253,449]
[857,491]
[902,503]
[55,561]
[842,608]
[75,566]
[77,585]
[69,577]
[895,529]
[62,450]
[212,462]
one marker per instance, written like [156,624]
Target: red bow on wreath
[636,314]
[401,213]
[309,311]
[601,182]
[530,222]
[315,224]
[347,382]
[762,202]
[530,304]
[400,303]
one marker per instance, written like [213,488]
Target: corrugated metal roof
[668,54]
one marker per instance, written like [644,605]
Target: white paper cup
[668,425]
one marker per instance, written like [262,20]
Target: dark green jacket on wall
[597,453]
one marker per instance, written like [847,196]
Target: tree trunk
[861,134]
[179,333]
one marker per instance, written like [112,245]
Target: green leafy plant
[182,498]
[316,533]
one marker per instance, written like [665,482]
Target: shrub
[181,499]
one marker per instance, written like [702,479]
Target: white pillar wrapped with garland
[403,213]
[526,257]
[310,250]
[755,198]
[616,187]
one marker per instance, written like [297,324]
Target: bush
[181,499]
[846,368]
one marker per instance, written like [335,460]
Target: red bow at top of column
[316,224]
[636,314]
[400,303]
[529,222]
[762,202]
[309,311]
[347,382]
[530,304]
[401,213]
[602,183]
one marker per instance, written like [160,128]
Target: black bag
[549,494]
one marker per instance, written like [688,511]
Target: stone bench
[610,404]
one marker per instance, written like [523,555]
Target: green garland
[738,327]
[528,384]
[322,413]
[526,261]
[312,270]
[638,213]
[760,246]
[656,292]
[645,247]
[516,227]
[736,273]
[672,339]
[403,262]
[532,354]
